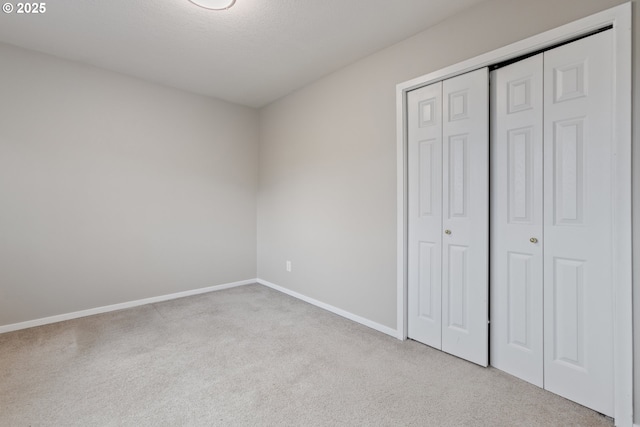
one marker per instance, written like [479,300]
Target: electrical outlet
[289,266]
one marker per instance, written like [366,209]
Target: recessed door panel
[465,220]
[458,169]
[458,105]
[520,316]
[426,176]
[570,81]
[568,156]
[427,110]
[516,219]
[520,174]
[568,312]
[519,94]
[426,254]
[458,288]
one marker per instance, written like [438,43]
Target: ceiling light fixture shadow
[214,4]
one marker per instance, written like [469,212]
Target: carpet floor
[251,356]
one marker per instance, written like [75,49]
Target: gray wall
[113,189]
[327,192]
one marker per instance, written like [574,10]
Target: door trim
[619,18]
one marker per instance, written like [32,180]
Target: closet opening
[553,112]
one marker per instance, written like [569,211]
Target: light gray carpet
[253,356]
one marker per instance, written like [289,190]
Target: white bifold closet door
[448,125]
[425,215]
[551,223]
[516,220]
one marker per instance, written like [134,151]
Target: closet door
[425,214]
[578,330]
[448,215]
[465,216]
[516,220]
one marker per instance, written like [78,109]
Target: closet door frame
[619,18]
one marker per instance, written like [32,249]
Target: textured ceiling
[251,54]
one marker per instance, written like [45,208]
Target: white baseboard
[114,307]
[340,312]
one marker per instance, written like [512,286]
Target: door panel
[458,168]
[568,312]
[426,288]
[425,214]
[568,157]
[465,135]
[519,290]
[516,218]
[458,288]
[578,300]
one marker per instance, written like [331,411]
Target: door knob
[447,231]
[533,240]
